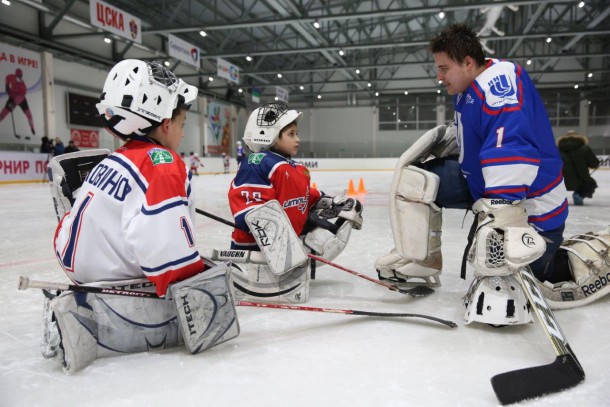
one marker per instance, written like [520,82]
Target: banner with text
[182,50]
[84,138]
[21,114]
[16,166]
[227,70]
[116,21]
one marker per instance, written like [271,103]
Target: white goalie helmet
[138,95]
[265,124]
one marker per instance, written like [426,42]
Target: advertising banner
[227,70]
[219,128]
[182,50]
[85,138]
[21,108]
[116,21]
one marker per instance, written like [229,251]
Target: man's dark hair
[458,41]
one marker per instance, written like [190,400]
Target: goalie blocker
[81,327]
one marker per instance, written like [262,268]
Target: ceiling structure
[330,52]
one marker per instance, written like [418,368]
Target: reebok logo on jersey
[160,156]
[256,158]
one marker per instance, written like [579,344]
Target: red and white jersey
[263,177]
[133,218]
[15,88]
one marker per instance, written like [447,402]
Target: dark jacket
[577,158]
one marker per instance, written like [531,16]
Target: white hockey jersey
[133,218]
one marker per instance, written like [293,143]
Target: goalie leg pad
[67,172]
[205,308]
[97,325]
[327,244]
[588,261]
[275,237]
[497,300]
[416,228]
[256,282]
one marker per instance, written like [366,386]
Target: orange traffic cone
[350,188]
[314,186]
[361,189]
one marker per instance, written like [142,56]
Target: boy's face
[175,130]
[288,141]
[455,76]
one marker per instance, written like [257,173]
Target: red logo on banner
[85,138]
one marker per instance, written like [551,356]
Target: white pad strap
[415,219]
[275,237]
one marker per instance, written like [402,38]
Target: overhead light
[438,91]
[581,4]
[240,90]
[249,58]
[590,75]
[276,98]
[166,63]
[319,96]
[575,86]
[211,79]
[279,75]
[406,92]
[358,71]
[203,33]
[6,2]
[107,40]
[301,87]
[341,52]
[441,15]
[316,24]
[398,120]
[376,93]
[440,82]
[369,84]
[549,39]
[529,62]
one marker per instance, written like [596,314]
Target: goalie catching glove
[332,220]
[504,242]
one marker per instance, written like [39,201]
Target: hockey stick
[14,130]
[450,324]
[563,373]
[25,283]
[419,291]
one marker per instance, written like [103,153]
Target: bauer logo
[160,156]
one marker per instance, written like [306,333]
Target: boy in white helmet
[129,223]
[268,174]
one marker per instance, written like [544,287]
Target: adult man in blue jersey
[499,158]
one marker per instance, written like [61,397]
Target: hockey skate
[405,273]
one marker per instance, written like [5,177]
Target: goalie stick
[25,283]
[563,373]
[418,291]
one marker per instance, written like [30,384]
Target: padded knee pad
[256,282]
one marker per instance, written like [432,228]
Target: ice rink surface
[297,358]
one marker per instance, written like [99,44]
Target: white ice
[298,358]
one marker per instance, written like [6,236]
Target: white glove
[342,207]
[504,242]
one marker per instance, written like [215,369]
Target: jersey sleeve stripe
[544,217]
[163,268]
[509,160]
[158,209]
[547,188]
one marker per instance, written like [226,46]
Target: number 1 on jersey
[500,138]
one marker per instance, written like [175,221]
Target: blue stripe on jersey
[133,174]
[171,263]
[163,208]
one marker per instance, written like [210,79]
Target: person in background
[59,148]
[577,158]
[16,91]
[45,145]
[71,147]
[240,153]
[226,162]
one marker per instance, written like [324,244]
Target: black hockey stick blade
[518,385]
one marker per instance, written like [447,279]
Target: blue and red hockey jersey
[507,147]
[263,177]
